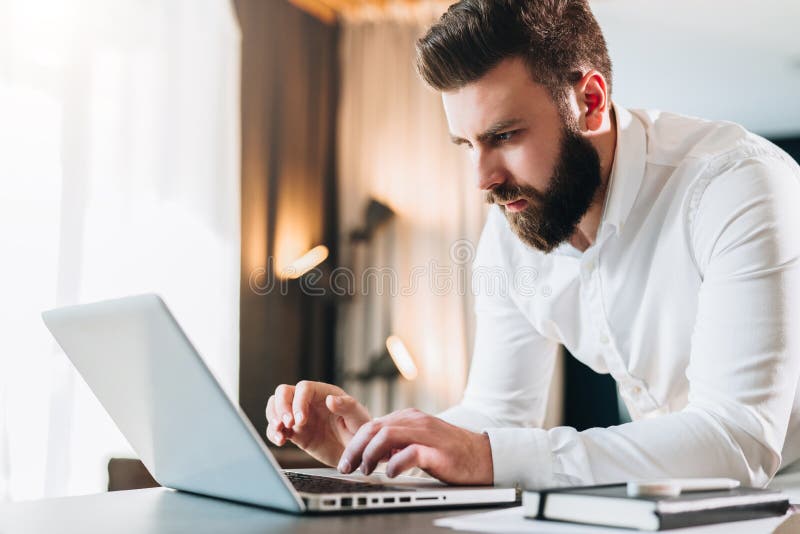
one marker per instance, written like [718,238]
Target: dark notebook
[610,506]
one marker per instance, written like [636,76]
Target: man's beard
[550,218]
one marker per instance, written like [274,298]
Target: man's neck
[605,141]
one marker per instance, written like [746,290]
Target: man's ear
[591,92]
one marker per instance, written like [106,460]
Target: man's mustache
[502,194]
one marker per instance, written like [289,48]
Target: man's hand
[319,418]
[411,438]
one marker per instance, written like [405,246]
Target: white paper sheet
[512,520]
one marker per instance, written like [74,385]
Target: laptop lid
[155,386]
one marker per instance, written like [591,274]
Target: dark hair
[558,39]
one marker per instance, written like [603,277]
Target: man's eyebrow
[493,130]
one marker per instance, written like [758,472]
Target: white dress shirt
[689,298]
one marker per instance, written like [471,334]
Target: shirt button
[589,266]
[604,339]
[636,390]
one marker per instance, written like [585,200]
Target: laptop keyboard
[317,484]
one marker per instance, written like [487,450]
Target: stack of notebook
[612,506]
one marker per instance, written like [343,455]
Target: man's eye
[503,137]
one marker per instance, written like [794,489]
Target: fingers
[352,411]
[351,457]
[408,458]
[387,435]
[275,430]
[283,404]
[278,431]
[402,428]
[289,409]
[296,413]
[340,404]
[380,447]
[304,393]
[293,403]
[269,412]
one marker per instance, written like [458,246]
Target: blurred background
[214,151]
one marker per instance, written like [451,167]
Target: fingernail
[287,419]
[344,466]
[298,417]
[278,436]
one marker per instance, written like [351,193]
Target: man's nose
[489,171]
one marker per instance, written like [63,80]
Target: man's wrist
[485,475]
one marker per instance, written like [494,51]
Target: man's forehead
[504,93]
[470,113]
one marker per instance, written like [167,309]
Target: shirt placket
[633,389]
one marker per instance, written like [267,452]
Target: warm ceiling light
[401,357]
[305,263]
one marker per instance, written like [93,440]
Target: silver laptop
[192,437]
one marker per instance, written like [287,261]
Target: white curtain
[394,146]
[119,161]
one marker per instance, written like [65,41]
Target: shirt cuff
[521,457]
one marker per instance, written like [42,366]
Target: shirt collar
[627,171]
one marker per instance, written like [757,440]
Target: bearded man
[669,244]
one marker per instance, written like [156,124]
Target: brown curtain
[289,95]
